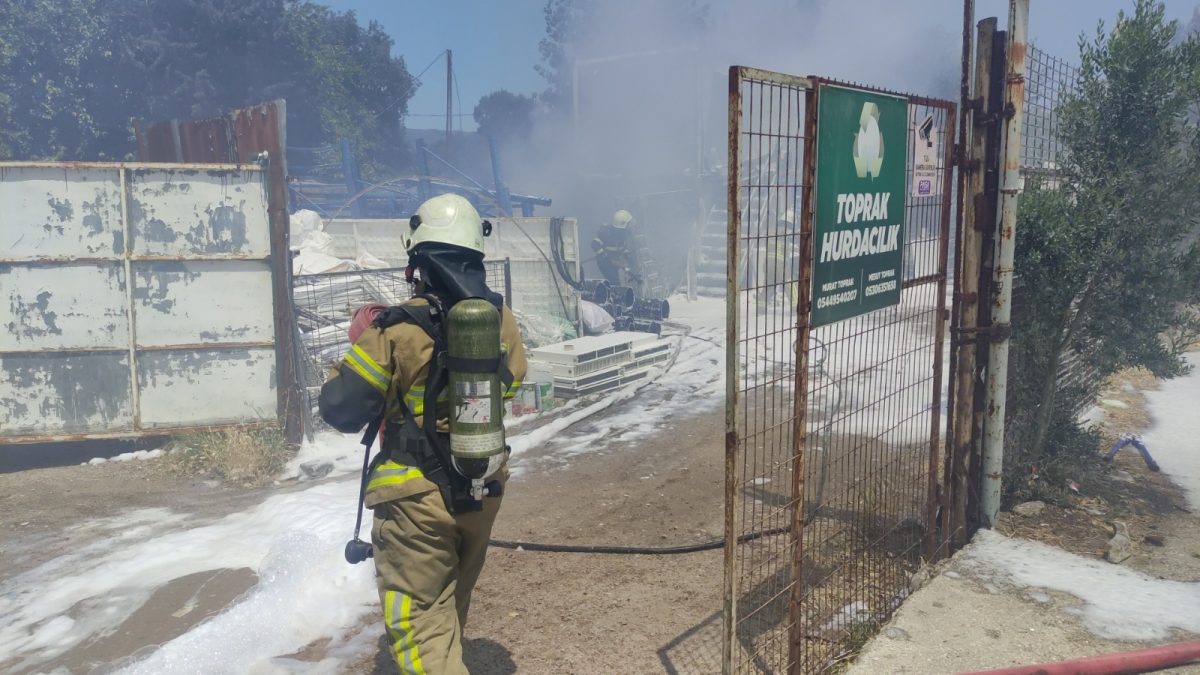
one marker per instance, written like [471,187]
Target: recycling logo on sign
[868,143]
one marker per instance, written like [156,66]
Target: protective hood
[453,273]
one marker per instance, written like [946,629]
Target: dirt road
[536,612]
[580,613]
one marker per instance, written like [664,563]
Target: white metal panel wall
[134,298]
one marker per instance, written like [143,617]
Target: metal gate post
[731,373]
[932,545]
[1006,244]
[970,250]
[800,396]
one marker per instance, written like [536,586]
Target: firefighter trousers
[426,564]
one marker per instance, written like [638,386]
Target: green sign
[858,235]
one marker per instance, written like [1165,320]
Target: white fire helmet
[447,219]
[622,219]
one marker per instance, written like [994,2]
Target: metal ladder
[652,285]
[711,271]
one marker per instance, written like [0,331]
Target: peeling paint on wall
[64,306]
[240,385]
[64,393]
[62,208]
[199,254]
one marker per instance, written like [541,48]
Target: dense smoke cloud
[649,110]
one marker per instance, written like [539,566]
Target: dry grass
[249,458]
[1126,490]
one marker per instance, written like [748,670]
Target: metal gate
[833,434]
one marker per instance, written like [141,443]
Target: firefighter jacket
[384,373]
[612,244]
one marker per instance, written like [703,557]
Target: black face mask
[453,273]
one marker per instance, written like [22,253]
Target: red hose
[1121,663]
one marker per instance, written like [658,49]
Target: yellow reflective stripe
[411,656]
[364,365]
[370,362]
[399,626]
[512,390]
[365,374]
[415,399]
[397,476]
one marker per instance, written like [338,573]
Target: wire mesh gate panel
[1048,83]
[833,434]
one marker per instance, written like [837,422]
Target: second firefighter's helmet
[622,219]
[447,219]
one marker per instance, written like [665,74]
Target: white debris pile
[1117,603]
[315,246]
[694,384]
[541,328]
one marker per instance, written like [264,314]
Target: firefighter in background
[774,258]
[615,251]
[428,547]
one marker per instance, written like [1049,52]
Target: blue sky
[494,44]
[495,41]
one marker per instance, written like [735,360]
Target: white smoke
[650,106]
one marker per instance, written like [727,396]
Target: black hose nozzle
[358,550]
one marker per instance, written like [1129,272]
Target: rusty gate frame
[935,544]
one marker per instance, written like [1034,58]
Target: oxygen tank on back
[476,421]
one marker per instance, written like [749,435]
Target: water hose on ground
[710,545]
[1137,661]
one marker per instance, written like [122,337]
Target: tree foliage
[74,73]
[1107,259]
[564,23]
[505,115]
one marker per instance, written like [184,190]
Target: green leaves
[1107,260]
[505,115]
[74,73]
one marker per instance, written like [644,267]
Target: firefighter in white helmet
[614,249]
[429,540]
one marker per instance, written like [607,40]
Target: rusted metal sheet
[135,298]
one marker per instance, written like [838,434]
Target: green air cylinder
[477,423]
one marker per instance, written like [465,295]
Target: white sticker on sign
[925,158]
